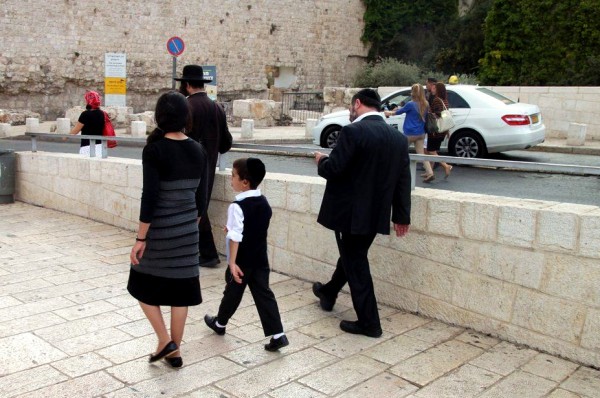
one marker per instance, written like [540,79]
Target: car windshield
[495,95]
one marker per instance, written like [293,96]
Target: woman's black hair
[172,113]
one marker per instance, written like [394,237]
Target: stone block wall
[523,270]
[52,53]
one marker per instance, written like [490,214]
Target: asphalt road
[519,184]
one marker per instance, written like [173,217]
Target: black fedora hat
[193,73]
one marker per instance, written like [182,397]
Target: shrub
[388,72]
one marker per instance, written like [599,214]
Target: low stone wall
[523,270]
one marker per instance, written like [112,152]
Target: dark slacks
[353,267]
[257,280]
[206,241]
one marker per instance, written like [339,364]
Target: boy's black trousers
[257,279]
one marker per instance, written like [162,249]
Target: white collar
[364,115]
[247,194]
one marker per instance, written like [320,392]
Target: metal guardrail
[308,152]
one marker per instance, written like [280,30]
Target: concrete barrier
[576,134]
[310,125]
[526,271]
[5,129]
[247,128]
[63,125]
[32,124]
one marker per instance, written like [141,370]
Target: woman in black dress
[165,260]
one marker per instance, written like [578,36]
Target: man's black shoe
[276,344]
[209,262]
[355,328]
[211,322]
[325,302]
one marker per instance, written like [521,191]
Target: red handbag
[109,131]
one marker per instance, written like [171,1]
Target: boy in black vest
[247,224]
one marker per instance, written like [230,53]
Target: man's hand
[401,229]
[319,156]
[236,273]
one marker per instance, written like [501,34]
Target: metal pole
[174,72]
[33,143]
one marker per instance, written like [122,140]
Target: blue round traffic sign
[175,46]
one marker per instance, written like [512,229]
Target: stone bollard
[310,125]
[138,128]
[4,130]
[63,125]
[576,134]
[32,125]
[247,128]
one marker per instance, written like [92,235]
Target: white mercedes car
[486,122]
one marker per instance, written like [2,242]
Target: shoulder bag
[109,131]
[445,122]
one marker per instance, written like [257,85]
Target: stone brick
[516,225]
[519,266]
[548,315]
[591,337]
[484,295]
[557,230]
[479,220]
[443,216]
[573,278]
[589,235]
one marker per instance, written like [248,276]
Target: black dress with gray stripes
[173,196]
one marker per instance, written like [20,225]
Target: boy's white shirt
[235,216]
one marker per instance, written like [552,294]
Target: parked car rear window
[495,95]
[456,101]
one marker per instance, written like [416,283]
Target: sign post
[175,47]
[115,79]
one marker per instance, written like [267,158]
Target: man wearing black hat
[209,127]
[368,177]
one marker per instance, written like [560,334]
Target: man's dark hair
[250,169]
[369,97]
[432,80]
[195,84]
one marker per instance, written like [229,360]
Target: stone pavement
[68,328]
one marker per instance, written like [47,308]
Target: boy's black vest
[252,251]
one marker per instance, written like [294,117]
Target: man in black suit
[368,176]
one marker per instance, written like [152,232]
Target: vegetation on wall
[523,48]
[502,42]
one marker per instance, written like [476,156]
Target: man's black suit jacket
[368,176]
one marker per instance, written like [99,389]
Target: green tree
[406,30]
[462,46]
[542,42]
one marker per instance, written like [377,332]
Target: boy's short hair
[251,169]
[432,80]
[369,97]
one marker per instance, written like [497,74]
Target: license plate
[535,118]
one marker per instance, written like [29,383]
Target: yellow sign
[115,85]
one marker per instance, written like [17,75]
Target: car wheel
[330,136]
[467,144]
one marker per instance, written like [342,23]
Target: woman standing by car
[164,259]
[414,124]
[434,140]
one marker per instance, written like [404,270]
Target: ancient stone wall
[53,52]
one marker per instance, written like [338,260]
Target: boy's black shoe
[355,328]
[325,302]
[211,322]
[276,344]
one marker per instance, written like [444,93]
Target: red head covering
[92,98]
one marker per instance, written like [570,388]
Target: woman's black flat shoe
[175,362]
[170,348]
